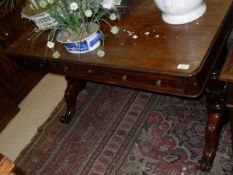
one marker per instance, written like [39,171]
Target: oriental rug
[120,131]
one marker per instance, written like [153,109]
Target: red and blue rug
[120,131]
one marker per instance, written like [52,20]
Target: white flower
[108,4]
[50,44]
[114,29]
[50,1]
[100,53]
[117,2]
[112,16]
[88,13]
[43,3]
[56,54]
[73,6]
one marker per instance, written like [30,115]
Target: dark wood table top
[186,52]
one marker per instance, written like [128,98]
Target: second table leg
[74,86]
[217,117]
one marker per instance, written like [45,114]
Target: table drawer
[135,79]
[142,80]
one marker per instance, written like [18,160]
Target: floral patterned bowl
[86,45]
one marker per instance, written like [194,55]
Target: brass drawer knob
[124,78]
[66,68]
[89,71]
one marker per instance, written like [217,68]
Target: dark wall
[15,84]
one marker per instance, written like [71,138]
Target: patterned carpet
[119,131]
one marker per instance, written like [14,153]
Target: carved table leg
[74,86]
[217,117]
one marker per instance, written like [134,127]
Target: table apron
[162,83]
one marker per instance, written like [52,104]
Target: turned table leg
[74,86]
[217,117]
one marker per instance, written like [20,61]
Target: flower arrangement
[75,16]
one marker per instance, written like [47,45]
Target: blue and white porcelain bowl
[83,46]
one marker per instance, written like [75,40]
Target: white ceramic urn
[181,11]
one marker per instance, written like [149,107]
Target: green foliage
[32,8]
[71,14]
[9,4]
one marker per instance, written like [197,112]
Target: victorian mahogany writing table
[180,60]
